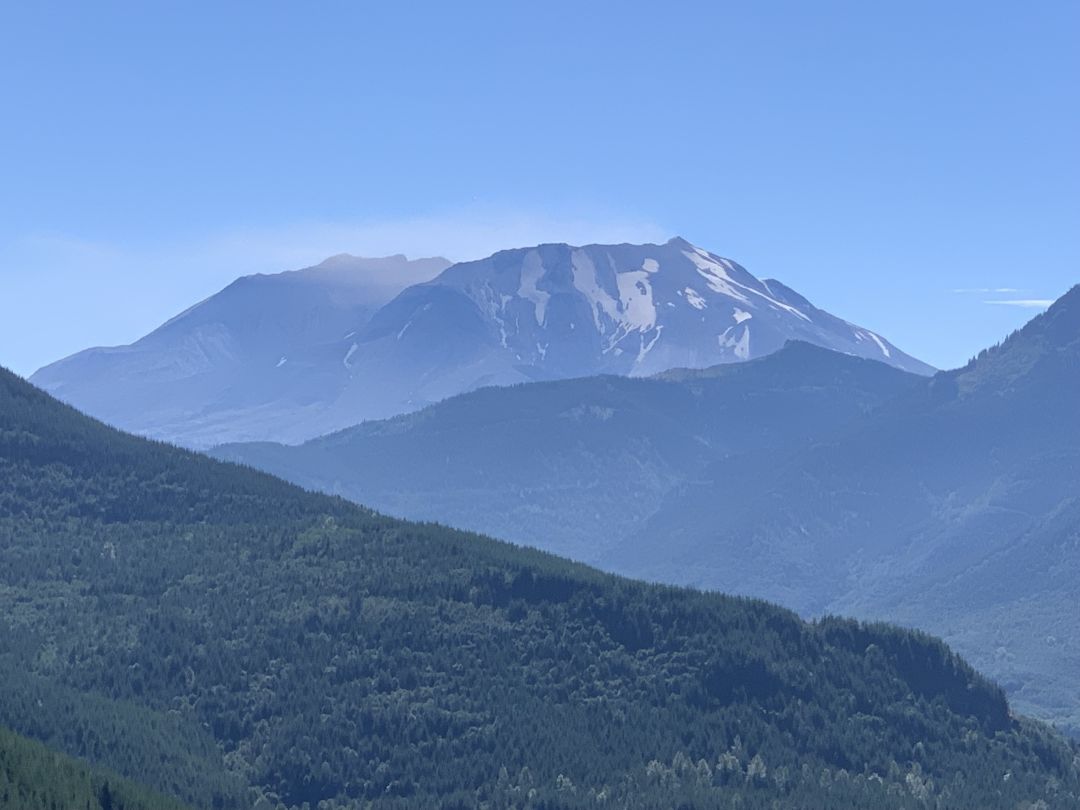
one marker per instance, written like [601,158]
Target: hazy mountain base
[575,466]
[338,656]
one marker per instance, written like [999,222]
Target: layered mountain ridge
[548,312]
[341,658]
[953,507]
[825,482]
[573,466]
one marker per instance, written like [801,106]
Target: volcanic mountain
[540,313]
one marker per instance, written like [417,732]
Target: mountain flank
[575,466]
[824,482]
[339,656]
[290,357]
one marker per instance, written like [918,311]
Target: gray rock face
[287,360]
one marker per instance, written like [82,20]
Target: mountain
[823,482]
[339,656]
[557,311]
[260,355]
[575,466]
[541,313]
[34,778]
[955,507]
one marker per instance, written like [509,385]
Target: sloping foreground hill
[34,778]
[171,752]
[342,657]
[954,508]
[575,466]
[824,482]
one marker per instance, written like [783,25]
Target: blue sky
[877,157]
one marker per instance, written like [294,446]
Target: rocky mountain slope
[222,372]
[263,352]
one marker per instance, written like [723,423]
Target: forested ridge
[575,466]
[239,631]
[32,777]
[952,507]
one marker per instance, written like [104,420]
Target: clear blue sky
[876,156]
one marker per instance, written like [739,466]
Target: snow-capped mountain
[555,311]
[539,313]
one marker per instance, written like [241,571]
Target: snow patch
[348,356]
[715,272]
[647,347]
[586,282]
[741,315]
[532,270]
[740,346]
[693,298]
[281,362]
[650,265]
[636,296]
[880,343]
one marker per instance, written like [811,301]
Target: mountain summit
[556,310]
[262,360]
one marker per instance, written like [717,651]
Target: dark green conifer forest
[233,641]
[32,777]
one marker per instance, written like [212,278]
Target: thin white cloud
[988,290]
[1026,303]
[64,293]
[227,255]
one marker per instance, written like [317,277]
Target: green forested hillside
[954,508]
[823,482]
[341,657]
[32,777]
